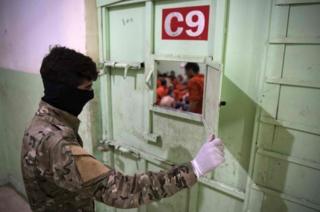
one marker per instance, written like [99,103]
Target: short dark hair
[67,66]
[192,66]
[163,82]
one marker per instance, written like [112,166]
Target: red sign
[185,23]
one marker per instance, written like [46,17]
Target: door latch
[125,66]
[222,103]
[106,146]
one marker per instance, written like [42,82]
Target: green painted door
[286,160]
[139,135]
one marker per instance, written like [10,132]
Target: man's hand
[210,156]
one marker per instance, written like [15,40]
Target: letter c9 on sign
[185,23]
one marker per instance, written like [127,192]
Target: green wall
[20,94]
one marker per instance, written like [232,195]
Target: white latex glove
[210,156]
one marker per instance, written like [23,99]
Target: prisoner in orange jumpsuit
[162,90]
[195,87]
[180,89]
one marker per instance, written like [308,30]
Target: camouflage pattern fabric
[59,175]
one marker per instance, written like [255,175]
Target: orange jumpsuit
[161,92]
[179,91]
[158,83]
[195,88]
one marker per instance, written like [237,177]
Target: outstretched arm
[76,170]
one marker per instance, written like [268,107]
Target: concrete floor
[11,201]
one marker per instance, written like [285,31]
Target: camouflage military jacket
[59,175]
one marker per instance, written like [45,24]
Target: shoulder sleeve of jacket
[72,166]
[76,170]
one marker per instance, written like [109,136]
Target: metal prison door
[145,45]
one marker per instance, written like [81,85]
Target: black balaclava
[65,97]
